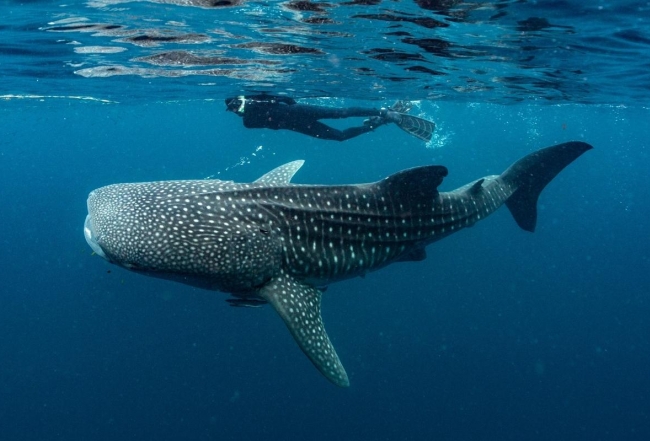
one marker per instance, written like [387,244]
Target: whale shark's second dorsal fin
[281,175]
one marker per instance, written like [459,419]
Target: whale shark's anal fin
[415,255]
[299,306]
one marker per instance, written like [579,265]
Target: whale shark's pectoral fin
[299,306]
[280,176]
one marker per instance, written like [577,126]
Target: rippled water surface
[502,52]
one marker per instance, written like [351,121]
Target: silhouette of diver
[280,112]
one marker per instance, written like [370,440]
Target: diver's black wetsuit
[277,112]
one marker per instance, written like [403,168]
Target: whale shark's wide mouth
[91,238]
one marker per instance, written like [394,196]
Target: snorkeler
[279,112]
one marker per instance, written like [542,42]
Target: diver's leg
[323,131]
[320,112]
[355,131]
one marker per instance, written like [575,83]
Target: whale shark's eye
[264,231]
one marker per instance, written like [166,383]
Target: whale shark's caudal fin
[532,173]
[299,306]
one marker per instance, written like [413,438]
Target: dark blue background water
[499,334]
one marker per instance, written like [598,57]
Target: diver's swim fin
[401,106]
[418,127]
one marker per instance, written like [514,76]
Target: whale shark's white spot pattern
[272,240]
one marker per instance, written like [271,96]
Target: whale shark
[278,243]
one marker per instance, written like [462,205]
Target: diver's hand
[374,122]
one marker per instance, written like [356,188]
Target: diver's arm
[264,98]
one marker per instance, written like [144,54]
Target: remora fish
[276,242]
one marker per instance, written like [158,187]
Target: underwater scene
[362,219]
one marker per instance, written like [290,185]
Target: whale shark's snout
[91,237]
[108,227]
[103,212]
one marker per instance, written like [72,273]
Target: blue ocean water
[498,335]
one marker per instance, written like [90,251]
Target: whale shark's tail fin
[532,173]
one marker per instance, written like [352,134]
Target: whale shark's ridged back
[329,232]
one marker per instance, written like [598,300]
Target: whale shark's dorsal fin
[299,306]
[281,175]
